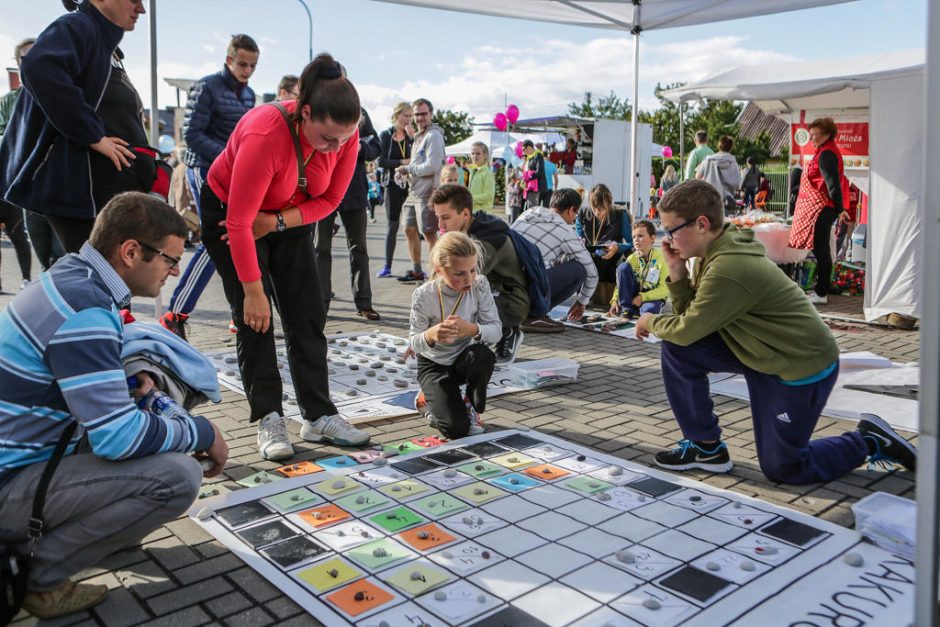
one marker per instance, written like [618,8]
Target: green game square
[397,519]
[293,500]
[258,478]
[402,448]
[482,469]
[363,501]
[430,577]
[438,505]
[364,554]
[586,485]
[404,489]
[487,492]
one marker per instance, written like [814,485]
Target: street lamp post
[310,25]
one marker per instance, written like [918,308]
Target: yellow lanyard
[646,268]
[440,301]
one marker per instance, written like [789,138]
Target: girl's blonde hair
[670,173]
[600,196]
[447,171]
[454,245]
[486,149]
[400,108]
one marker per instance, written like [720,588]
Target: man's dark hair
[457,196]
[423,101]
[288,82]
[646,224]
[135,216]
[725,143]
[18,50]
[241,41]
[751,161]
[701,136]
[693,198]
[528,144]
[564,199]
[327,92]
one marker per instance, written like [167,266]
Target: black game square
[484,449]
[293,551]
[792,532]
[510,617]
[238,515]
[415,466]
[266,533]
[519,441]
[653,486]
[449,458]
[694,583]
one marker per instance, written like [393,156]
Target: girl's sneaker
[476,423]
[384,273]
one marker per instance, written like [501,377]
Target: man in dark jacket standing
[216,103]
[353,211]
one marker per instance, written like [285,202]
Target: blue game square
[339,461]
[515,482]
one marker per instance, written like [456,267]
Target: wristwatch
[281,225]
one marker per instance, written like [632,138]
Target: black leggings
[822,234]
[441,387]
[16,231]
[72,232]
[394,199]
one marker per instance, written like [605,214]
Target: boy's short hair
[241,41]
[701,136]
[288,82]
[135,216]
[564,199]
[646,224]
[693,198]
[18,50]
[725,143]
[457,196]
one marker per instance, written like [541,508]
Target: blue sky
[477,63]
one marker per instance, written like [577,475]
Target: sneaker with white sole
[885,445]
[691,455]
[508,347]
[816,299]
[273,441]
[476,422]
[334,429]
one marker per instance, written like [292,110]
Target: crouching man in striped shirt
[126,471]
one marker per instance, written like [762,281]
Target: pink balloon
[500,121]
[667,152]
[512,113]
[451,160]
[520,151]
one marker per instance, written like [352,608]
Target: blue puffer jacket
[44,155]
[216,104]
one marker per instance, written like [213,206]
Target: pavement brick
[189,595]
[121,608]
[189,616]
[231,603]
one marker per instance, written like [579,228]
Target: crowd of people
[125,450]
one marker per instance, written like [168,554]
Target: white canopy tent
[502,145]
[634,16]
[890,87]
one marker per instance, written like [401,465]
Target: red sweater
[257,171]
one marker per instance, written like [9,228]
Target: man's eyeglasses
[422,114]
[171,261]
[671,232]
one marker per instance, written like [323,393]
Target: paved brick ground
[180,576]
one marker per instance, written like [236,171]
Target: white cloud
[209,48]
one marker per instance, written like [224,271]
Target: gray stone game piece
[627,557]
[615,471]
[748,566]
[440,595]
[712,566]
[853,559]
[651,604]
[379,552]
[379,461]
[205,513]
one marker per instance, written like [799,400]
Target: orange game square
[324,515]
[428,441]
[297,470]
[359,596]
[435,537]
[546,472]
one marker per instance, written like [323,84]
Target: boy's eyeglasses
[171,261]
[672,231]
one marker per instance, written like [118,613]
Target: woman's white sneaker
[273,440]
[335,430]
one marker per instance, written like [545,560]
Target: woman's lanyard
[300,174]
[597,229]
[440,301]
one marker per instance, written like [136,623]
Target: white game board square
[550,496]
[763,549]
[548,452]
[461,602]
[665,514]
[379,476]
[512,508]
[617,475]
[508,580]
[624,500]
[347,535]
[510,541]
[588,464]
[632,528]
[672,610]
[742,515]
[441,481]
[678,545]
[554,560]
[601,581]
[644,564]
[695,500]
[593,542]
[714,530]
[556,604]
[588,512]
[551,525]
[729,566]
[466,557]
[605,617]
[472,522]
[405,614]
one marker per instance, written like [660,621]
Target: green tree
[457,125]
[610,107]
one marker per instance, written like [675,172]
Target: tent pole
[925,609]
[634,123]
[681,140]
[154,116]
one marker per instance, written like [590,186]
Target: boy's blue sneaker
[885,445]
[691,455]
[385,272]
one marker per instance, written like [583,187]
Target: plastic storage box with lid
[889,521]
[543,372]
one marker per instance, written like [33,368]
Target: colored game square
[336,486]
[514,461]
[546,472]
[417,578]
[244,513]
[365,457]
[428,441]
[339,461]
[395,520]
[426,537]
[258,478]
[329,574]
[482,469]
[404,490]
[323,516]
[478,493]
[515,482]
[449,458]
[293,500]
[586,485]
[439,505]
[359,597]
[300,469]
[379,553]
[363,502]
[402,448]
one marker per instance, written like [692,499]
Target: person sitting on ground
[453,319]
[606,232]
[452,206]
[127,471]
[721,171]
[568,264]
[740,313]
[641,279]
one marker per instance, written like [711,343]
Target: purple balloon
[500,121]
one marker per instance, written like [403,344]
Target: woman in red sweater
[258,211]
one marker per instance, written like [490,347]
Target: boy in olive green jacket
[739,313]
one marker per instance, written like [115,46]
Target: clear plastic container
[889,521]
[543,372]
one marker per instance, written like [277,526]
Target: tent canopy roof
[817,84]
[618,14]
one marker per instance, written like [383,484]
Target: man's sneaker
[542,324]
[232,327]
[175,323]
[384,273]
[411,276]
[68,598]
[816,299]
[273,441]
[335,430]
[691,455]
[885,445]
[476,423]
[23,284]
[508,347]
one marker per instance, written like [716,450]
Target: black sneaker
[508,347]
[691,455]
[885,445]
[174,323]
[411,276]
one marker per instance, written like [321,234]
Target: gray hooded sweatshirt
[721,171]
[427,159]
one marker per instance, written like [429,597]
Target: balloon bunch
[504,121]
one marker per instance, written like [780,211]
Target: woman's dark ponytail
[326,90]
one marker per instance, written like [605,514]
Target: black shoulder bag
[14,557]
[301,178]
